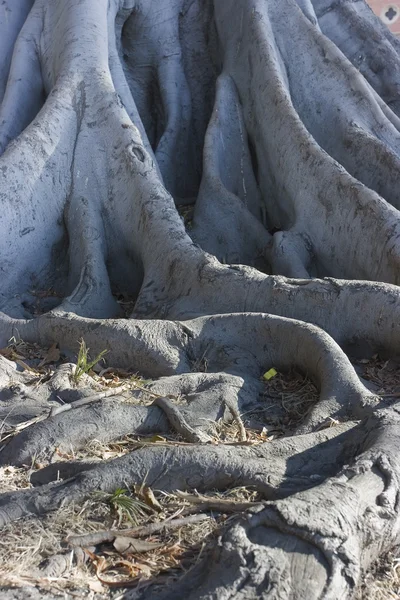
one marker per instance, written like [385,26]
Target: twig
[88,400]
[238,419]
[217,504]
[100,537]
[21,427]
[177,421]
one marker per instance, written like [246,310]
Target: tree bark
[277,123]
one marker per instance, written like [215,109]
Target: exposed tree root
[179,423]
[223,341]
[260,556]
[65,432]
[363,486]
[24,95]
[371,48]
[366,134]
[229,209]
[114,113]
[195,467]
[11,21]
[106,536]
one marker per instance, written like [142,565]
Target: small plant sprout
[84,364]
[126,506]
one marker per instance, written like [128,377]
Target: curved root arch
[256,121]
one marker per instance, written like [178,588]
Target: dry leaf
[126,545]
[53,355]
[96,586]
[26,367]
[149,498]
[157,438]
[10,354]
[121,567]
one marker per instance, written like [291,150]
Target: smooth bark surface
[275,125]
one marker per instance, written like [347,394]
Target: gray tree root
[371,48]
[231,343]
[12,19]
[318,530]
[104,423]
[369,484]
[229,209]
[279,121]
[194,467]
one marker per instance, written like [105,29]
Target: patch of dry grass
[28,546]
[295,393]
[13,479]
[383,581]
[385,374]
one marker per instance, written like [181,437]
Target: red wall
[388,11]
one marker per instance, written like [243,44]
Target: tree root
[229,208]
[290,255]
[201,467]
[236,342]
[86,216]
[246,342]
[292,524]
[363,130]
[317,530]
[179,424]
[59,470]
[11,21]
[105,422]
[378,62]
[56,410]
[282,128]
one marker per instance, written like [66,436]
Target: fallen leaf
[157,438]
[126,545]
[96,586]
[133,570]
[147,495]
[270,374]
[10,353]
[53,355]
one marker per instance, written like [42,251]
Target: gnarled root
[85,217]
[200,467]
[240,344]
[317,532]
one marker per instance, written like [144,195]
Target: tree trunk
[277,123]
